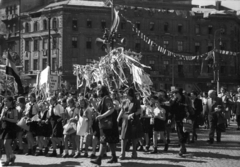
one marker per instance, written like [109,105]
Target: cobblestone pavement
[200,154]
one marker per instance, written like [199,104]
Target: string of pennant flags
[166,52]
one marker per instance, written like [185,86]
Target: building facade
[76,24]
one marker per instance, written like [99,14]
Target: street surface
[200,154]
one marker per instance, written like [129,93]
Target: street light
[216,66]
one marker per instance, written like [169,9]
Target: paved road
[200,154]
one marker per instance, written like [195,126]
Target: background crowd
[100,119]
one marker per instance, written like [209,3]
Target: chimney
[218,5]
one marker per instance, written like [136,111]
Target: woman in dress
[9,118]
[31,110]
[108,134]
[146,111]
[56,113]
[84,112]
[158,120]
[131,126]
[71,110]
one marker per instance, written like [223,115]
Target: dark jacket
[197,106]
[178,109]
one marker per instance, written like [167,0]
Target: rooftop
[69,3]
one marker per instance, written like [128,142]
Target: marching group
[101,119]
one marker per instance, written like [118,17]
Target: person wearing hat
[21,103]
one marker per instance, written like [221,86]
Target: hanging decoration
[111,69]
[168,52]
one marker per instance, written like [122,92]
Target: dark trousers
[195,125]
[182,137]
[213,127]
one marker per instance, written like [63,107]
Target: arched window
[27,27]
[35,26]
[45,25]
[54,23]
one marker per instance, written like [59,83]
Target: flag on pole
[108,3]
[12,71]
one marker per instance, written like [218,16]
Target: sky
[232,4]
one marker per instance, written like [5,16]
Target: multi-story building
[75,25]
[184,29]
[10,26]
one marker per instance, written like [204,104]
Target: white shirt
[159,113]
[148,110]
[57,110]
[34,109]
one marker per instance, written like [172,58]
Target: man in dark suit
[213,108]
[198,108]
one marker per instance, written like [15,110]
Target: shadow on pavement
[173,160]
[214,155]
[131,164]
[62,164]
[226,145]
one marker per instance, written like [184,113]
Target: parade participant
[9,118]
[166,105]
[31,110]
[213,108]
[70,111]
[44,130]
[108,132]
[56,113]
[146,111]
[131,126]
[238,111]
[21,106]
[84,112]
[224,95]
[95,132]
[158,120]
[116,103]
[198,108]
[204,99]
[179,112]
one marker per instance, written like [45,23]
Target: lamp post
[49,43]
[215,61]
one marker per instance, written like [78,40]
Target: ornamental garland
[168,52]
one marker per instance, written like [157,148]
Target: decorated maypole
[111,70]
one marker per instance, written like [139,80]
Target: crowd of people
[101,119]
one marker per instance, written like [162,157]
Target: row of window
[75,43]
[36,64]
[11,10]
[88,24]
[152,27]
[36,44]
[36,25]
